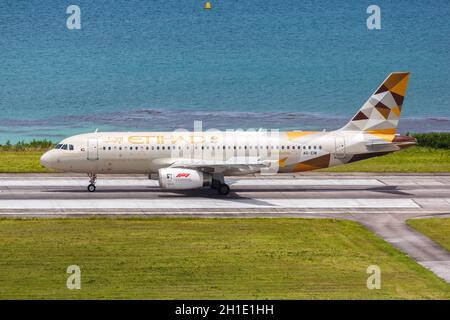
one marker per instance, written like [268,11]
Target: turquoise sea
[160,65]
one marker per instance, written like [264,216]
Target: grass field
[21,162]
[438,229]
[204,259]
[418,159]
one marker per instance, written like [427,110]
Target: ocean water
[160,65]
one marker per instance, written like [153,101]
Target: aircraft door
[339,147]
[92,149]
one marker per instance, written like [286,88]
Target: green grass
[182,258]
[21,162]
[438,229]
[416,159]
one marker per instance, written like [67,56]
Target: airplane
[190,160]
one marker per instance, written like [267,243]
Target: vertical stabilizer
[380,114]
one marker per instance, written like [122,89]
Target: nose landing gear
[92,180]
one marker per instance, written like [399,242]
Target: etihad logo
[161,139]
[183,175]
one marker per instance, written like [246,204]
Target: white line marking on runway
[80,182]
[201,203]
[411,182]
[307,182]
[72,182]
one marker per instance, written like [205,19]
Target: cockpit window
[65,146]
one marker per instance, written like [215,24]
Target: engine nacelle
[178,178]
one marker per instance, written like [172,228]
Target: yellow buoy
[208,5]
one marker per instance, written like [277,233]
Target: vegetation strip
[180,258]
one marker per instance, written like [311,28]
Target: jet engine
[179,178]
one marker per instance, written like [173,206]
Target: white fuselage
[147,152]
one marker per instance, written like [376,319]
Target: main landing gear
[218,184]
[223,189]
[92,180]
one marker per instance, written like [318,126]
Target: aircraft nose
[47,159]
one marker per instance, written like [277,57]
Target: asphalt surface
[380,202]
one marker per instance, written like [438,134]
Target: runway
[380,202]
[266,195]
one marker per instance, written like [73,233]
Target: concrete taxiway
[380,202]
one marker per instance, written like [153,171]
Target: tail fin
[380,114]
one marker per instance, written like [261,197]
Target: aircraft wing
[242,163]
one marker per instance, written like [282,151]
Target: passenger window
[104,148]
[309,147]
[157,148]
[120,148]
[314,147]
[109,148]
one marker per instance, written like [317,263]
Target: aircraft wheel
[91,187]
[215,184]
[223,189]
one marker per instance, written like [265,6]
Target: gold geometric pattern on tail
[380,114]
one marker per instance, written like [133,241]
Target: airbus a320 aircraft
[189,160]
